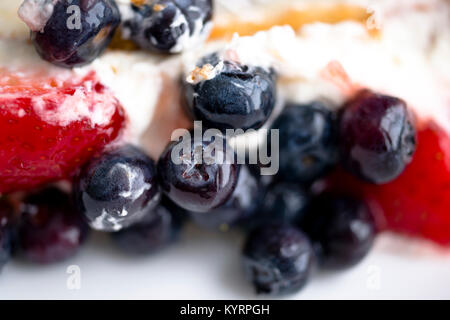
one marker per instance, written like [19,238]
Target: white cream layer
[410,59]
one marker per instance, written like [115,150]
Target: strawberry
[50,126]
[418,202]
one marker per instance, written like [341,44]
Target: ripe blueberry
[71,33]
[157,230]
[241,205]
[342,229]
[167,26]
[308,142]
[278,259]
[378,137]
[117,189]
[233,96]
[198,180]
[50,229]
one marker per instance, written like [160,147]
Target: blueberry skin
[71,48]
[50,229]
[378,137]
[194,186]
[308,146]
[342,229]
[117,189]
[168,26]
[156,231]
[278,259]
[7,214]
[241,206]
[5,246]
[238,97]
[282,202]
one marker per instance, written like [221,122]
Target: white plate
[206,265]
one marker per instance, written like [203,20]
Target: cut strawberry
[418,202]
[50,126]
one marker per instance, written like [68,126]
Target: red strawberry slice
[418,202]
[50,126]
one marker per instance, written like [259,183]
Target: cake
[59,114]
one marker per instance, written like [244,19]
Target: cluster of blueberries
[163,26]
[290,227]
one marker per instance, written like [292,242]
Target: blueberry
[342,228]
[5,246]
[263,180]
[50,229]
[168,26]
[378,137]
[278,259]
[282,202]
[157,230]
[76,32]
[7,214]
[241,205]
[199,179]
[236,96]
[117,189]
[308,146]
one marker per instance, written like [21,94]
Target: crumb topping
[207,72]
[158,7]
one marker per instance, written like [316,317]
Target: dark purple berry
[5,246]
[342,229]
[278,259]
[308,142]
[117,189]
[74,33]
[7,214]
[50,229]
[167,26]
[157,230]
[237,97]
[241,205]
[378,137]
[281,202]
[199,180]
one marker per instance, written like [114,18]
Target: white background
[206,265]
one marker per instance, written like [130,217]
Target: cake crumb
[158,7]
[207,72]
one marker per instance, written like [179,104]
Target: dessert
[308,142]
[117,189]
[50,229]
[278,259]
[361,103]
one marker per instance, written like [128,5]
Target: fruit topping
[5,246]
[50,127]
[7,214]
[117,189]
[157,230]
[50,229]
[378,137]
[308,142]
[282,202]
[342,229]
[225,94]
[278,259]
[167,26]
[199,179]
[417,202]
[70,33]
[241,205]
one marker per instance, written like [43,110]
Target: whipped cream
[409,62]
[36,13]
[402,61]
